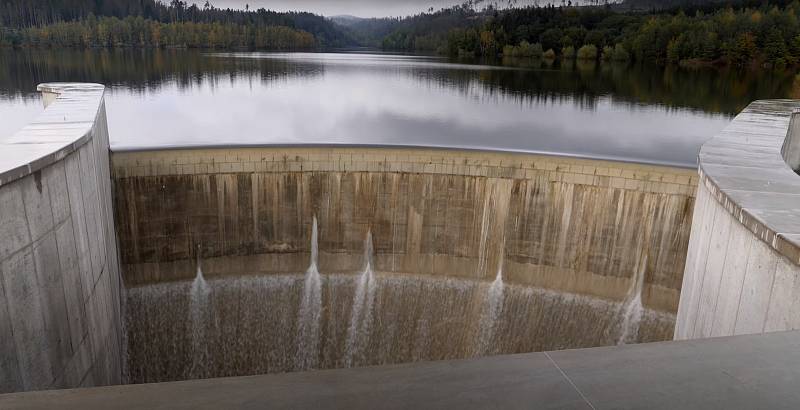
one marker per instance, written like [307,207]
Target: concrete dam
[573,244]
[192,263]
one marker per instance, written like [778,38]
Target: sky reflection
[383,101]
[302,98]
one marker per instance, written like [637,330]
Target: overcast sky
[360,8]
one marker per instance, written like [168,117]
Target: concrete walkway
[740,372]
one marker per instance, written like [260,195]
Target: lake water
[187,98]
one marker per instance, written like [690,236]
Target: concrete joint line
[570,381]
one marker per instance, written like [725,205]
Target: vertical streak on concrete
[794,313]
[778,316]
[27,309]
[483,242]
[756,290]
[715,261]
[695,264]
[255,183]
[10,372]
[500,202]
[566,218]
[733,274]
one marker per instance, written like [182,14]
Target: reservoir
[183,98]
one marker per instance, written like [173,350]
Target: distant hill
[36,13]
[368,32]
[346,20]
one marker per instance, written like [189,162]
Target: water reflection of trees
[725,91]
[586,84]
[136,70]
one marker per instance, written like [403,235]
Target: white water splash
[310,311]
[493,309]
[198,311]
[363,302]
[632,309]
[415,317]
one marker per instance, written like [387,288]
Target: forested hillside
[697,32]
[151,23]
[368,32]
[734,32]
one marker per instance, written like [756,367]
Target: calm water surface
[186,98]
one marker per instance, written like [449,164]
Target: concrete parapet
[743,259]
[59,269]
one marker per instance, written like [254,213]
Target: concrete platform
[740,372]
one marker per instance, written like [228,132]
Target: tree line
[144,33]
[741,34]
[146,23]
[735,32]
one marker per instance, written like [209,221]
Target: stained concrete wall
[573,225]
[60,284]
[743,265]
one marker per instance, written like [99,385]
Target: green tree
[608,53]
[775,47]
[673,51]
[744,49]
[620,53]
[587,52]
[551,38]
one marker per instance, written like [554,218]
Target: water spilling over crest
[310,309]
[253,326]
[491,313]
[198,311]
[632,309]
[363,302]
[258,324]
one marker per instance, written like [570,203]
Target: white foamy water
[310,309]
[491,313]
[363,302]
[632,309]
[198,311]
[258,324]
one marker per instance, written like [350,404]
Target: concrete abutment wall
[743,264]
[60,291]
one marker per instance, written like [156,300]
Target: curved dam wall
[743,263]
[580,226]
[60,290]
